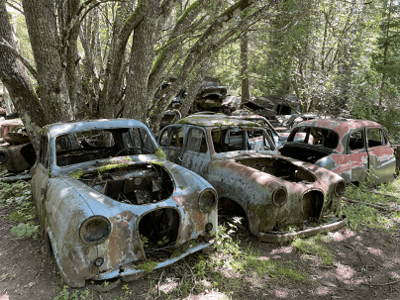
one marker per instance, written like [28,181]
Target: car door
[171,141]
[381,159]
[41,177]
[196,155]
[357,158]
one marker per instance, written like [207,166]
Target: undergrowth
[363,216]
[17,196]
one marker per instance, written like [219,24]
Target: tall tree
[14,76]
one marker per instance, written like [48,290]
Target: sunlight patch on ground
[341,236]
[288,249]
[211,295]
[375,251]
[280,293]
[345,273]
[4,297]
[323,291]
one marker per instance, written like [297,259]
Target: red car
[350,148]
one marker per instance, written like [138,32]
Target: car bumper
[285,237]
[130,272]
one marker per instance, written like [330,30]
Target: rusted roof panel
[216,120]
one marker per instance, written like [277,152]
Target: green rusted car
[273,193]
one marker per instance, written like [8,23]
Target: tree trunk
[51,75]
[7,101]
[141,60]
[15,79]
[244,57]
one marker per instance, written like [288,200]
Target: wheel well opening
[229,210]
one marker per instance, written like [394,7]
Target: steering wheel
[133,148]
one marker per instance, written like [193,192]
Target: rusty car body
[350,148]
[108,201]
[253,181]
[16,151]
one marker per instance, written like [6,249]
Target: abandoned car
[111,205]
[269,191]
[16,151]
[350,148]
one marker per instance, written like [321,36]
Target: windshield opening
[89,145]
[235,138]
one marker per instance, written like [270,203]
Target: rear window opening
[310,144]
[321,137]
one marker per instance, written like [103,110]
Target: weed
[361,216]
[314,246]
[28,230]
[17,196]
[66,294]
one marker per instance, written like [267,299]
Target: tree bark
[244,57]
[42,29]
[15,79]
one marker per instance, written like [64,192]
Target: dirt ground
[367,266]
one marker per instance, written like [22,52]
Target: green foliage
[362,216]
[315,246]
[28,230]
[147,266]
[66,293]
[17,196]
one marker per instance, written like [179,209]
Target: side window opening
[164,137]
[357,140]
[197,141]
[43,157]
[177,137]
[375,137]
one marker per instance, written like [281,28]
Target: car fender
[64,212]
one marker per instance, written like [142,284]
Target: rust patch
[199,220]
[121,235]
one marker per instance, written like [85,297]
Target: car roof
[338,124]
[79,126]
[216,120]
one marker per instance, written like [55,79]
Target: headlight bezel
[3,157]
[340,188]
[84,234]
[277,195]
[207,208]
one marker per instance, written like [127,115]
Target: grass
[18,198]
[315,246]
[362,216]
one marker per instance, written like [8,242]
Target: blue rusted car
[111,205]
[273,194]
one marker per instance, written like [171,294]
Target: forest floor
[359,261]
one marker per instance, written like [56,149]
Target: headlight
[95,229]
[279,196]
[340,188]
[3,157]
[207,200]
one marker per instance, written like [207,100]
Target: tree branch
[14,51]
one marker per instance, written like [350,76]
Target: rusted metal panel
[104,213]
[355,153]
[270,191]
